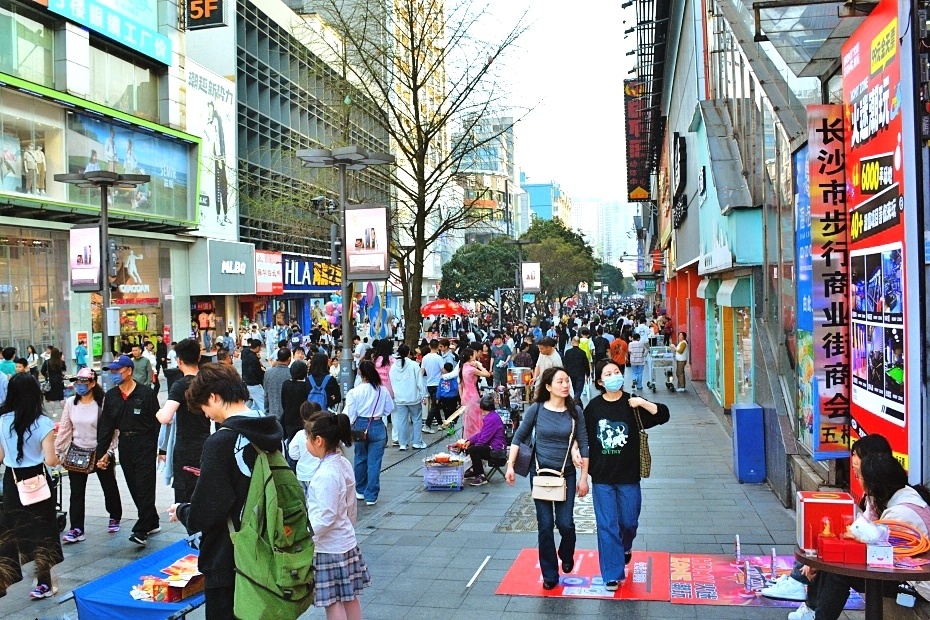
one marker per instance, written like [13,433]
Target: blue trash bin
[748,443]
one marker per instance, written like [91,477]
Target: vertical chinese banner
[825,370]
[805,293]
[872,102]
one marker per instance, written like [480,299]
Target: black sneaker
[139,539]
[612,586]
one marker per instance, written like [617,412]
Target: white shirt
[368,402]
[306,462]
[432,367]
[172,359]
[331,505]
[548,361]
[150,356]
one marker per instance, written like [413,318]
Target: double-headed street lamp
[345,158]
[104,180]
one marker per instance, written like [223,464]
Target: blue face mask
[613,383]
[81,389]
[116,378]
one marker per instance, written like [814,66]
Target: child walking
[341,573]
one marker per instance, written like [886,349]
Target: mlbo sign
[202,14]
[233,267]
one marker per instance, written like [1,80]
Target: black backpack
[601,346]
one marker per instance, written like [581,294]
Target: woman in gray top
[558,425]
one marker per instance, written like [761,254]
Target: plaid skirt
[340,577]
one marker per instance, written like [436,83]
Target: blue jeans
[368,456]
[560,515]
[637,374]
[257,395]
[407,419]
[616,512]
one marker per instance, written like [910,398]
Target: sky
[569,67]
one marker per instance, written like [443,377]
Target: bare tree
[437,82]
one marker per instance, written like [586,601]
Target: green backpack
[273,548]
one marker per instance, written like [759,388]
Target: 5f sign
[203,14]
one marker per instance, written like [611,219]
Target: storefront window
[31,146]
[717,370]
[96,143]
[31,289]
[121,84]
[26,45]
[742,347]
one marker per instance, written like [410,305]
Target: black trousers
[111,501]
[478,455]
[433,407]
[828,592]
[219,603]
[172,375]
[137,456]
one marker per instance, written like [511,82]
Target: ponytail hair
[332,427]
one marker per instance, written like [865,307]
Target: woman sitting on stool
[485,443]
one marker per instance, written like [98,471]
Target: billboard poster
[638,166]
[872,95]
[133,23]
[366,242]
[805,321]
[269,274]
[306,275]
[211,114]
[531,277]
[84,259]
[823,361]
[98,143]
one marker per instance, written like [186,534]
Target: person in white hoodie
[888,494]
[409,395]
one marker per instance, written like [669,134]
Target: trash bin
[748,443]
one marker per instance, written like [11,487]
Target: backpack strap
[239,451]
[313,385]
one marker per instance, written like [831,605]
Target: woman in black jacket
[293,394]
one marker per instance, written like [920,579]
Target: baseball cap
[85,373]
[123,361]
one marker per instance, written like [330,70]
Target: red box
[854,551]
[830,549]
[813,506]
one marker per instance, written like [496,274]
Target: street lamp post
[104,180]
[520,243]
[344,159]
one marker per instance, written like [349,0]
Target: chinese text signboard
[637,147]
[875,199]
[305,275]
[269,278]
[823,342]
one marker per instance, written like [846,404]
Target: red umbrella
[443,306]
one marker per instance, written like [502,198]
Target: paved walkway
[423,548]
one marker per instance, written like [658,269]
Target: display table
[873,578]
[108,596]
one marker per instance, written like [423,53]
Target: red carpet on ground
[647,578]
[682,578]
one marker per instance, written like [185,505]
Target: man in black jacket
[225,473]
[253,373]
[130,407]
[575,362]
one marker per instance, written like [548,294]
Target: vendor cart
[660,364]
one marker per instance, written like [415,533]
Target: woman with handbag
[366,405]
[556,419]
[75,445]
[615,424]
[28,529]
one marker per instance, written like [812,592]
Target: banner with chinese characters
[823,355]
[872,99]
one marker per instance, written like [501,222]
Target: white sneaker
[785,588]
[427,430]
[802,613]
[680,390]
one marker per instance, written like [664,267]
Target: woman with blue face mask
[79,427]
[613,439]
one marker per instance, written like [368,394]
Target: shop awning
[707,289]
[735,293]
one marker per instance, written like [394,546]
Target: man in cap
[130,407]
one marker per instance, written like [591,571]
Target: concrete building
[740,232]
[548,201]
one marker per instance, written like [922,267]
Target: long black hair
[542,390]
[882,477]
[97,391]
[366,368]
[24,401]
[403,352]
[465,356]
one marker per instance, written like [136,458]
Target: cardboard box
[813,506]
[163,591]
[880,556]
